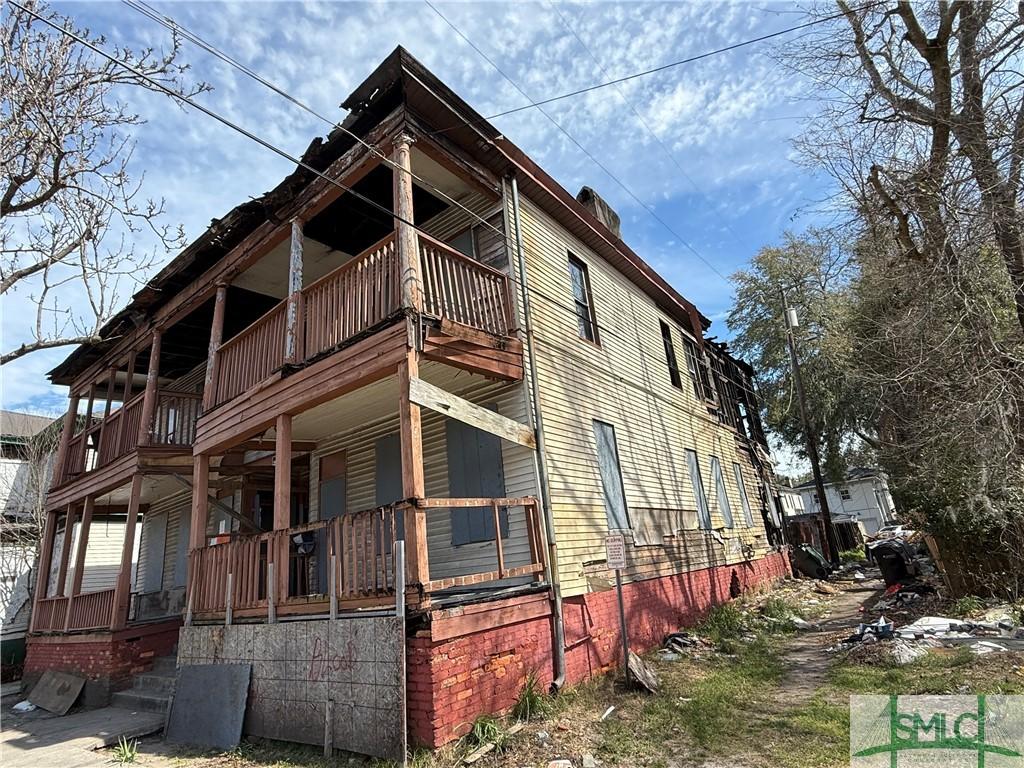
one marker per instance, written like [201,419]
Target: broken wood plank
[453,406]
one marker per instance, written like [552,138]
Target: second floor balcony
[101,441]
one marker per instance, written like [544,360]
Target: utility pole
[831,549]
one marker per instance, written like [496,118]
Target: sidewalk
[39,738]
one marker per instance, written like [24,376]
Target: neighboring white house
[863,496]
[22,480]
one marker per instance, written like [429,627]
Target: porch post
[106,408]
[200,501]
[149,400]
[408,256]
[411,436]
[70,419]
[43,566]
[293,351]
[282,500]
[65,551]
[83,543]
[216,335]
[123,590]
[125,397]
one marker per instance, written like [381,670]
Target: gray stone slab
[208,708]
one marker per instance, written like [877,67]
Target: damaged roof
[400,78]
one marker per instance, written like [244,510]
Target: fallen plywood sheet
[56,691]
[209,702]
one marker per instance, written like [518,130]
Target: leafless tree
[71,209]
[924,120]
[24,482]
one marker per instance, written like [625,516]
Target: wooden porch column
[216,335]
[70,421]
[411,435]
[123,590]
[149,400]
[43,566]
[293,341]
[408,245]
[200,501]
[282,501]
[83,543]
[65,551]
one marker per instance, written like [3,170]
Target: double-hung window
[670,355]
[583,302]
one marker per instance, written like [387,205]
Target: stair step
[161,685]
[137,701]
[165,665]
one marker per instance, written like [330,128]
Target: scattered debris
[588,761]
[801,624]
[904,653]
[983,647]
[543,737]
[24,706]
[607,713]
[560,764]
[479,752]
[825,589]
[642,674]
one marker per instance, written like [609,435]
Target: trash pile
[901,556]
[912,641]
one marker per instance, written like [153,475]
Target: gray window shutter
[697,484]
[744,501]
[611,477]
[475,470]
[156,533]
[721,496]
[389,469]
[181,557]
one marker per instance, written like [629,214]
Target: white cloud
[719,116]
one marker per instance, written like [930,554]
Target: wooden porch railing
[174,419]
[462,289]
[356,296]
[106,440]
[359,545]
[252,355]
[89,610]
[50,613]
[237,574]
[92,610]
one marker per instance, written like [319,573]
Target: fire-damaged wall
[352,669]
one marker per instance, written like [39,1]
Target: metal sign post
[615,551]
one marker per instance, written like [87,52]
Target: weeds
[487,729]
[532,702]
[967,606]
[126,751]
[851,556]
[723,623]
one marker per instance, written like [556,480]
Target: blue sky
[721,171]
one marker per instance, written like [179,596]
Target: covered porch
[318,500]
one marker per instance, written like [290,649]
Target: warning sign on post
[615,548]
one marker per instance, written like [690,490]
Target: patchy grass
[967,606]
[532,703]
[852,556]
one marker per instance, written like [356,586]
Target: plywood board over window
[721,497]
[611,476]
[744,501]
[475,470]
[333,485]
[697,484]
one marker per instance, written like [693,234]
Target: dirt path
[805,658]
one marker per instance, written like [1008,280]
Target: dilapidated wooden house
[417,337]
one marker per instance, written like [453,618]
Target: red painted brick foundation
[455,676]
[106,661]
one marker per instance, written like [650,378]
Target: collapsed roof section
[444,117]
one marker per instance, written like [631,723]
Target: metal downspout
[542,473]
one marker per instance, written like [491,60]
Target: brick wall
[107,662]
[450,681]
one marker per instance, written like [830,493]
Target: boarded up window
[475,470]
[333,485]
[388,470]
[583,300]
[156,535]
[697,484]
[721,497]
[611,476]
[744,501]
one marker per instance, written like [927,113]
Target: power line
[583,149]
[268,145]
[668,153]
[663,67]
